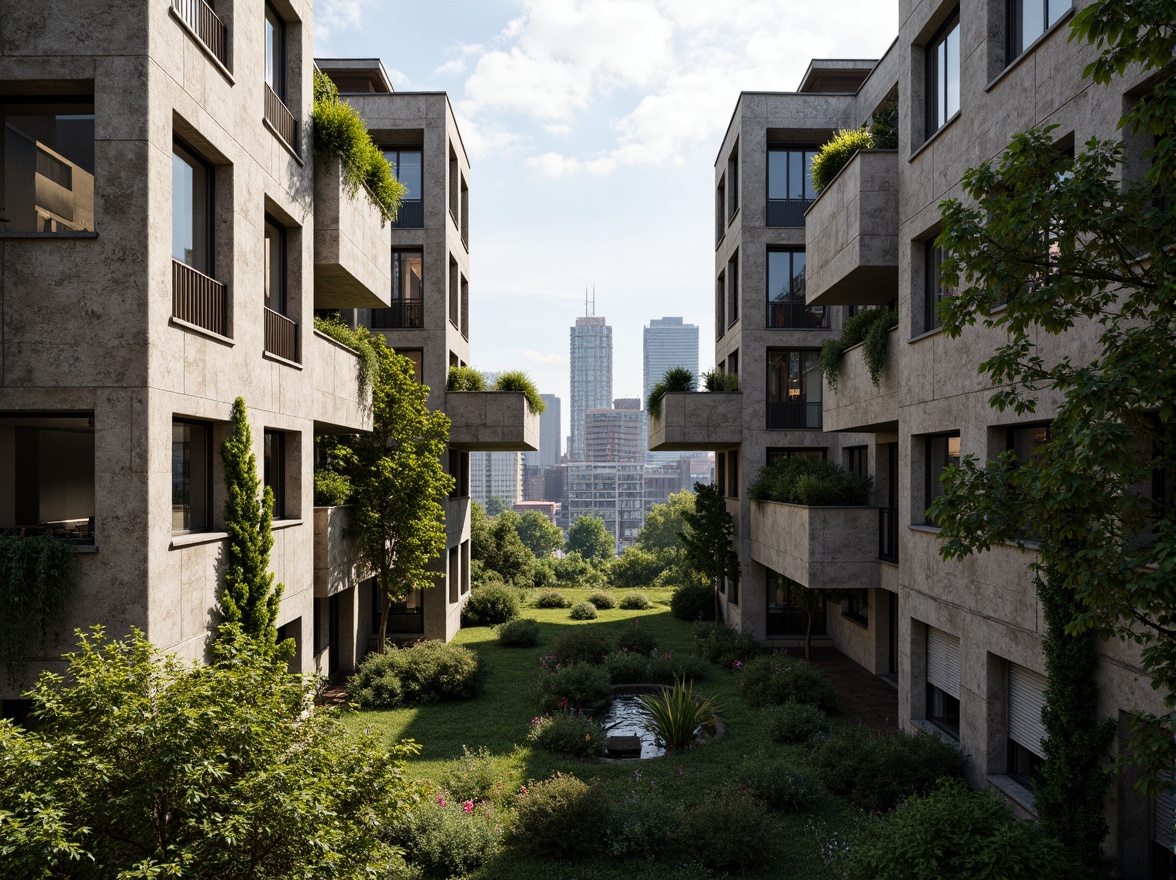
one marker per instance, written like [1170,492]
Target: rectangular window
[192,181]
[857,607]
[733,474]
[733,288]
[322,625]
[454,294]
[275,52]
[794,388]
[1028,20]
[408,168]
[1025,440]
[1027,733]
[191,476]
[790,184]
[943,680]
[721,210]
[454,184]
[942,451]
[47,179]
[857,460]
[418,358]
[721,305]
[936,290]
[733,184]
[47,475]
[407,309]
[779,453]
[787,308]
[465,308]
[275,470]
[790,605]
[943,75]
[275,266]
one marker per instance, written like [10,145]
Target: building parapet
[352,245]
[857,404]
[338,404]
[822,548]
[697,420]
[499,421]
[336,556]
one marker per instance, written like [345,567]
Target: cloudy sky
[592,127]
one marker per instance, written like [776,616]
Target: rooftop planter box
[352,245]
[697,420]
[339,406]
[851,234]
[856,404]
[822,548]
[336,565]
[497,421]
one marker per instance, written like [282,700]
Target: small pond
[623,721]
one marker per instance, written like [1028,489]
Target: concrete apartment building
[166,236]
[962,641]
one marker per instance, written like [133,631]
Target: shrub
[567,732]
[676,714]
[780,785]
[472,777]
[693,601]
[724,645]
[805,480]
[772,681]
[675,379]
[720,380]
[602,600]
[465,379]
[523,633]
[444,839]
[543,572]
[579,686]
[793,722]
[872,327]
[635,602]
[878,772]
[552,599]
[956,832]
[561,817]
[330,489]
[517,380]
[627,668]
[667,667]
[427,672]
[583,611]
[635,568]
[490,605]
[583,644]
[641,826]
[726,831]
[836,153]
[634,639]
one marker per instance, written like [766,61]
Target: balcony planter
[499,421]
[697,420]
[336,558]
[339,404]
[856,404]
[851,234]
[352,245]
[822,548]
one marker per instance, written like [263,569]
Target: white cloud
[333,16]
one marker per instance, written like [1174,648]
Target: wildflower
[523,790]
[441,801]
[636,774]
[679,771]
[738,664]
[468,806]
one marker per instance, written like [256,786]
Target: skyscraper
[591,375]
[667,342]
[549,432]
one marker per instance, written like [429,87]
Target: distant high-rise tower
[549,432]
[668,342]
[591,376]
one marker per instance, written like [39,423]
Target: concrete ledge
[697,420]
[336,557]
[856,404]
[499,421]
[334,371]
[822,548]
[352,245]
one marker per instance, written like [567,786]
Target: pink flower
[679,771]
[523,790]
[738,664]
[468,806]
[441,801]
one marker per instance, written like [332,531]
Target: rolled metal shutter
[1026,699]
[1165,811]
[943,661]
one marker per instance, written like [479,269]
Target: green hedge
[811,481]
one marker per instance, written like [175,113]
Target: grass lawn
[500,719]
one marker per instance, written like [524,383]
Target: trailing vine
[36,579]
[871,327]
[358,339]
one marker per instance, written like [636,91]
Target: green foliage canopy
[588,537]
[540,535]
[707,538]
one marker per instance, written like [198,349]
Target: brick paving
[861,695]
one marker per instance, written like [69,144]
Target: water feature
[628,731]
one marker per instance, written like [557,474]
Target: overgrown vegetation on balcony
[469,379]
[872,327]
[835,154]
[810,481]
[676,379]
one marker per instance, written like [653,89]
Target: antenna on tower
[590,305]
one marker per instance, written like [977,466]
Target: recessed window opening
[47,475]
[943,75]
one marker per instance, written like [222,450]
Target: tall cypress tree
[249,602]
[707,539]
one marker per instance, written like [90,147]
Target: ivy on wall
[36,579]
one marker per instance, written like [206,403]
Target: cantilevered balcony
[341,405]
[352,245]
[496,421]
[822,548]
[198,300]
[336,557]
[199,18]
[697,420]
[857,404]
[280,120]
[851,234]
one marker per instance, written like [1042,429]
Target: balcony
[352,245]
[794,414]
[697,420]
[336,557]
[198,299]
[204,24]
[280,120]
[496,421]
[856,404]
[823,548]
[851,237]
[796,315]
[281,336]
[403,314]
[787,212]
[411,215]
[339,407]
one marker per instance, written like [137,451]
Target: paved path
[861,695]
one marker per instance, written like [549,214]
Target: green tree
[707,539]
[664,522]
[509,556]
[398,484]
[250,599]
[541,535]
[495,506]
[143,765]
[1065,243]
[635,568]
[588,537]
[481,540]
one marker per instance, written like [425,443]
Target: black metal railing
[411,215]
[888,534]
[787,212]
[281,336]
[279,116]
[210,30]
[403,314]
[794,414]
[198,299]
[796,315]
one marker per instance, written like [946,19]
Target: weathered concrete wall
[352,245]
[822,548]
[335,373]
[491,420]
[697,420]
[857,404]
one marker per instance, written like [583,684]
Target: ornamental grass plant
[677,715]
